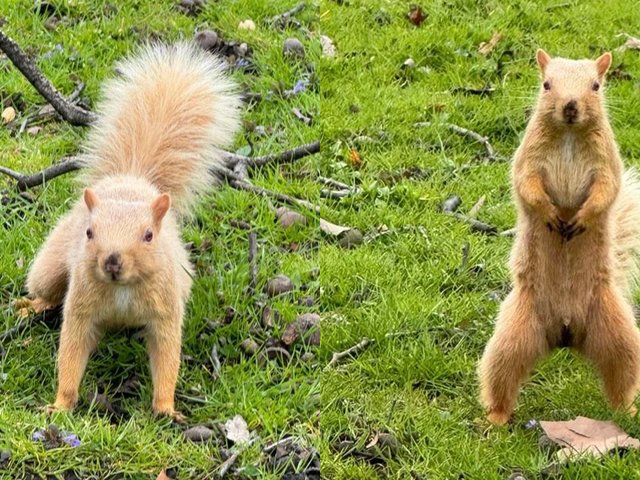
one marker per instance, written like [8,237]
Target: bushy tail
[626,244]
[164,118]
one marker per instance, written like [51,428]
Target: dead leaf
[247,24]
[306,325]
[585,436]
[486,48]
[632,43]
[416,15]
[328,48]
[237,430]
[8,114]
[354,158]
[332,229]
[288,218]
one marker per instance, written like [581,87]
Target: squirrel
[116,259]
[574,259]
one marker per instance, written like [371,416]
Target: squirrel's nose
[570,111]
[113,264]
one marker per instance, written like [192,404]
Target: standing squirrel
[578,235]
[116,259]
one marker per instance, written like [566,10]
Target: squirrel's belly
[122,310]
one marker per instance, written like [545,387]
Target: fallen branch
[239,184]
[508,233]
[335,194]
[491,153]
[473,212]
[25,182]
[68,110]
[338,356]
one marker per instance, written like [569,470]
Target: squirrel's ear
[543,59]
[160,206]
[603,62]
[90,198]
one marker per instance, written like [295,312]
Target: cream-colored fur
[161,125]
[578,234]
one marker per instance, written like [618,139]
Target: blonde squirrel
[578,236]
[116,259]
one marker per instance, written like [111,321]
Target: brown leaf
[354,158]
[587,436]
[287,217]
[416,15]
[486,48]
[306,325]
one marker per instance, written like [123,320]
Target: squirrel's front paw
[54,408]
[168,411]
[574,227]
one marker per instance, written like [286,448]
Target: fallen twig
[25,182]
[473,213]
[283,19]
[215,361]
[508,233]
[333,183]
[242,185]
[335,194]
[68,110]
[239,224]
[477,225]
[253,262]
[274,445]
[287,156]
[491,153]
[228,463]
[338,356]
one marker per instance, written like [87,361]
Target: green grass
[421,386]
[276,400]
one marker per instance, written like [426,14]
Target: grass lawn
[277,399]
[428,312]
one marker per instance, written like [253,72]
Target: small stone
[207,39]
[288,218]
[279,285]
[8,114]
[199,433]
[249,346]
[293,48]
[247,24]
[307,302]
[351,238]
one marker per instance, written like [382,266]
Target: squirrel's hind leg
[612,343]
[48,276]
[518,342]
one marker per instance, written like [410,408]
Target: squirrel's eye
[547,85]
[148,235]
[595,87]
[89,233]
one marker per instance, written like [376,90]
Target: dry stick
[335,194]
[283,17]
[67,110]
[477,225]
[473,213]
[288,156]
[491,153]
[241,224]
[25,182]
[338,356]
[508,233]
[239,184]
[253,262]
[228,463]
[333,183]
